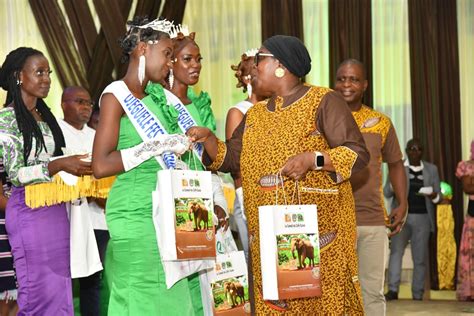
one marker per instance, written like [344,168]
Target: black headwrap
[291,52]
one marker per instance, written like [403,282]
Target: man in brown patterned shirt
[372,219]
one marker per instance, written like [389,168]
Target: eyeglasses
[258,56]
[415,148]
[43,73]
[82,101]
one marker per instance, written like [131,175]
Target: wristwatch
[318,160]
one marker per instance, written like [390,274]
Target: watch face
[320,161]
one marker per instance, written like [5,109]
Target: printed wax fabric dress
[465,277]
[39,237]
[138,279]
[8,286]
[289,131]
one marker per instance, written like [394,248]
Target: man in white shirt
[87,215]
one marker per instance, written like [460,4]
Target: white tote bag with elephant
[289,251]
[184,215]
[230,285]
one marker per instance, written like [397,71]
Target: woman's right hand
[76,165]
[198,134]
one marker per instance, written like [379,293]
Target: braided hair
[242,69]
[181,40]
[29,128]
[134,35]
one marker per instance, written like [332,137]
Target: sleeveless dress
[138,280]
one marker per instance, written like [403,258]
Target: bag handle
[296,192]
[279,179]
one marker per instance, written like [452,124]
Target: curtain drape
[391,67]
[282,17]
[20,29]
[350,36]
[60,42]
[89,58]
[316,39]
[173,10]
[150,8]
[435,93]
[465,18]
[224,31]
[83,28]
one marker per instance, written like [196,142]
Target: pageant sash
[185,119]
[145,122]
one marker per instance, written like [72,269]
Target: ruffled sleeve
[169,114]
[203,105]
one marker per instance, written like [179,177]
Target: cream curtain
[316,38]
[20,29]
[465,11]
[391,64]
[224,30]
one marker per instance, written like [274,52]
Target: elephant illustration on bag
[234,290]
[305,250]
[200,214]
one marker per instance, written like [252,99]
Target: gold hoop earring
[279,72]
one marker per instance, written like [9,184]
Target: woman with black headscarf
[308,134]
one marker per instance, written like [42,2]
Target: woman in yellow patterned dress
[308,134]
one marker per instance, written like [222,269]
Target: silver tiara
[180,28]
[158,25]
[251,52]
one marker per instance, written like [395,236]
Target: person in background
[308,134]
[243,73]
[137,275]
[77,108]
[8,285]
[424,192]
[29,137]
[465,277]
[94,120]
[371,215]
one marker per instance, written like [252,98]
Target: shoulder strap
[147,125]
[185,119]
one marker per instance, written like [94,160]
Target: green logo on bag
[294,218]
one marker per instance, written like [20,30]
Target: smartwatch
[318,160]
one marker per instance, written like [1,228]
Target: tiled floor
[403,307]
[436,303]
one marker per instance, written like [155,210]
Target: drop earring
[141,69]
[248,78]
[279,72]
[171,79]
[18,82]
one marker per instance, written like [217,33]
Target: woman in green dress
[180,109]
[130,143]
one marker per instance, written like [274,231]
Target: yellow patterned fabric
[56,191]
[339,157]
[446,246]
[221,152]
[367,185]
[270,138]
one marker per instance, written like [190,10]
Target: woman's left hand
[297,166]
[222,217]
